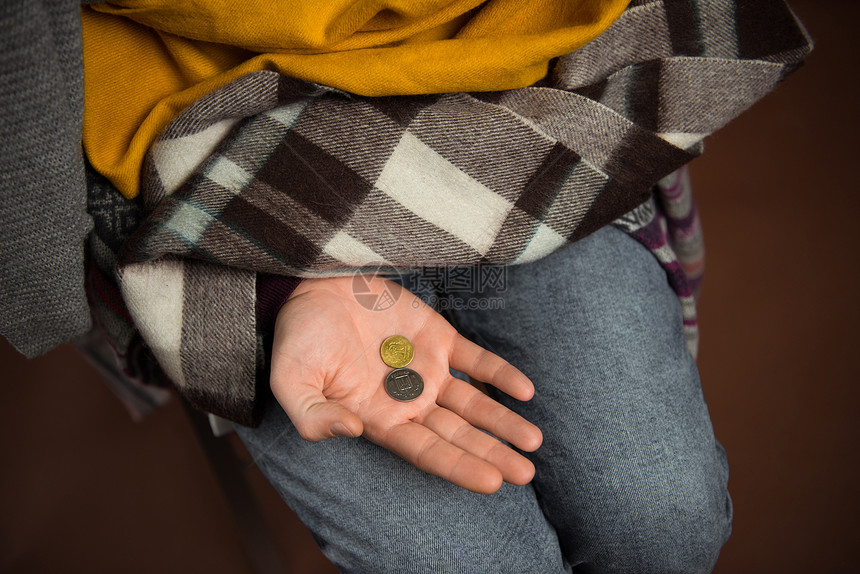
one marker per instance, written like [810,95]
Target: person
[628,476]
[590,449]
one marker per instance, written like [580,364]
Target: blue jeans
[629,477]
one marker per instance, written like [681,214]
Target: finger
[487,367]
[483,412]
[515,468]
[314,416]
[426,450]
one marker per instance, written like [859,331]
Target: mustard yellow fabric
[146,60]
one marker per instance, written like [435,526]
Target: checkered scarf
[272,174]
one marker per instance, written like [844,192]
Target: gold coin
[396,351]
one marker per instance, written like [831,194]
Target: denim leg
[630,474]
[371,512]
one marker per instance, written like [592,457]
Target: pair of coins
[402,384]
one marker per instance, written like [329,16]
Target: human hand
[328,376]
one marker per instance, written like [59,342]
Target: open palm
[328,376]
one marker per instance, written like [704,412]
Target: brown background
[84,489]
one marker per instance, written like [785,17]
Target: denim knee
[497,535]
[371,512]
[678,527]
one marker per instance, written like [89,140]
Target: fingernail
[340,429]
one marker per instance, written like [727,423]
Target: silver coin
[404,384]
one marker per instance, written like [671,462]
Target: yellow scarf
[146,60]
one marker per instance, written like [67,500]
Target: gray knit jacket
[43,215]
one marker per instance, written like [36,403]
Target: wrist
[344,285]
[272,292]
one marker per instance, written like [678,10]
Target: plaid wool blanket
[272,174]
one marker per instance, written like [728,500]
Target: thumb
[317,418]
[328,419]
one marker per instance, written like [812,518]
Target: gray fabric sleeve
[43,218]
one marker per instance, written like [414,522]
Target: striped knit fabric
[668,225]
